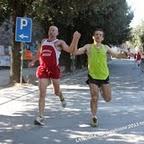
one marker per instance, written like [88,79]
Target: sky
[138,8]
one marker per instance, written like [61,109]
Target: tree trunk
[17,10]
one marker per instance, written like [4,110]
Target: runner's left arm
[35,57]
[122,54]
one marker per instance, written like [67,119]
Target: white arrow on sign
[23,36]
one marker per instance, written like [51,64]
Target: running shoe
[94,122]
[39,121]
[63,102]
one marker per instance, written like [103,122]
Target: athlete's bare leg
[57,90]
[43,83]
[56,86]
[94,91]
[106,92]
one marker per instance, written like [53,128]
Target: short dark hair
[99,29]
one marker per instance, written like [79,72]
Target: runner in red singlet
[49,69]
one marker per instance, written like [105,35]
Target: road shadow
[120,121]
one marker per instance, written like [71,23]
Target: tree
[6,33]
[137,36]
[60,13]
[142,35]
[142,41]
[12,9]
[113,16]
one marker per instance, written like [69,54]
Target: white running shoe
[63,102]
[94,122]
[39,121]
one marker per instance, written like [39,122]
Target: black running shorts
[96,81]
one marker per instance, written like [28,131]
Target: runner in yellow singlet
[98,72]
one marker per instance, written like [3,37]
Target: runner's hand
[76,35]
[31,64]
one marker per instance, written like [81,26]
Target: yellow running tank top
[97,62]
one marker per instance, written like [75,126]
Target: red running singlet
[49,60]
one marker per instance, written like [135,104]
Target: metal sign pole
[23,33]
[22,57]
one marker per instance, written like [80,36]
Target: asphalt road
[121,121]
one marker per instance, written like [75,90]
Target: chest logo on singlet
[48,55]
[47,50]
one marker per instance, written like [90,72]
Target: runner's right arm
[122,54]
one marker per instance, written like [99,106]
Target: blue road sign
[23,31]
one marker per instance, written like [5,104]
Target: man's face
[53,31]
[98,36]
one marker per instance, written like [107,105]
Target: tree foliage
[137,36]
[85,16]
[114,16]
[12,9]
